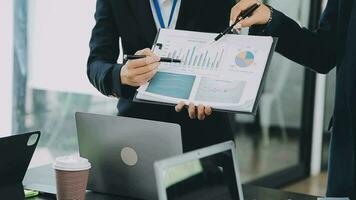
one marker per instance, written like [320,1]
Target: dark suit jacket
[132,21]
[333,44]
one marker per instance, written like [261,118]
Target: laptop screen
[208,178]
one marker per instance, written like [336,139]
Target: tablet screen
[208,178]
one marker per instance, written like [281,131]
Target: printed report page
[225,74]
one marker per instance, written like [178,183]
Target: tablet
[16,153]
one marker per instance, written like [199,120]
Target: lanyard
[159,13]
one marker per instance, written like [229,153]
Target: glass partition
[270,142]
[50,73]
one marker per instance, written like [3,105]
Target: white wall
[58,42]
[6,66]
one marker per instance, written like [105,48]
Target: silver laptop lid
[122,152]
[207,174]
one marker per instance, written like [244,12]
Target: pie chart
[244,59]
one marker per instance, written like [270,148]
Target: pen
[244,14]
[163,59]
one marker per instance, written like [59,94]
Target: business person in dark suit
[135,22]
[332,45]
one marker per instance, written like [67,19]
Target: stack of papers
[227,75]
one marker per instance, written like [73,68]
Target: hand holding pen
[246,13]
[242,15]
[141,67]
[137,72]
[260,16]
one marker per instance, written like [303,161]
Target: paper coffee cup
[72,174]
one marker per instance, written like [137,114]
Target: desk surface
[250,193]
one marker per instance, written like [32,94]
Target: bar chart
[195,57]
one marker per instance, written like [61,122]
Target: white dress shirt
[166,7]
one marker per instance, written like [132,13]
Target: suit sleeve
[313,49]
[102,68]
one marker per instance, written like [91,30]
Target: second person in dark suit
[332,45]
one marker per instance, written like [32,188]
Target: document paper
[225,75]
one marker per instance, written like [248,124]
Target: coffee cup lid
[71,163]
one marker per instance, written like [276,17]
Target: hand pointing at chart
[261,16]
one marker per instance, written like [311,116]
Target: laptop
[122,152]
[210,173]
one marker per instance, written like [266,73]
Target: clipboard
[15,153]
[259,93]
